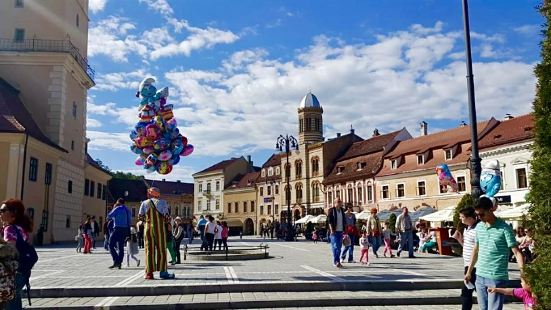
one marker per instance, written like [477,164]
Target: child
[132,247]
[386,237]
[524,293]
[346,242]
[364,248]
[315,236]
[79,239]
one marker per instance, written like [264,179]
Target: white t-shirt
[364,243]
[469,240]
[209,228]
[339,226]
[218,233]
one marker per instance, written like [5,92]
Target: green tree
[392,222]
[126,176]
[466,201]
[539,272]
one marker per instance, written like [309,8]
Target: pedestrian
[387,233]
[79,239]
[374,231]
[467,239]
[87,236]
[494,240]
[139,233]
[154,213]
[95,232]
[178,233]
[404,227]
[524,293]
[107,227]
[218,236]
[122,221]
[132,247]
[201,229]
[170,243]
[364,249]
[16,225]
[350,230]
[210,231]
[335,220]
[429,243]
[225,234]
[315,236]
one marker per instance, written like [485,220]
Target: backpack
[27,259]
[8,268]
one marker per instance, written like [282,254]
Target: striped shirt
[469,240]
[494,243]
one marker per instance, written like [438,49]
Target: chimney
[376,132]
[338,134]
[463,124]
[508,117]
[164,180]
[250,162]
[424,128]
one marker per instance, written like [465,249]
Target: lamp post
[475,165]
[287,142]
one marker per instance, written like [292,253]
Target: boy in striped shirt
[468,240]
[494,239]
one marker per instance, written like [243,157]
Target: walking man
[154,212]
[467,239]
[335,218]
[494,239]
[404,226]
[201,229]
[122,220]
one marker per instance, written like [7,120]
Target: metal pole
[288,236]
[475,165]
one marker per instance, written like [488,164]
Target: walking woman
[374,231]
[87,235]
[210,230]
[16,225]
[225,233]
[178,233]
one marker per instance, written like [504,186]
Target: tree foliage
[467,200]
[392,222]
[126,176]
[539,272]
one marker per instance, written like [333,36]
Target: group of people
[87,234]
[213,233]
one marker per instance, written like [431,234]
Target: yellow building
[240,211]
[43,49]
[268,192]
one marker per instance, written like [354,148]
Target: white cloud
[528,29]
[97,5]
[120,80]
[108,140]
[160,6]
[92,123]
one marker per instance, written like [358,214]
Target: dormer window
[449,154]
[394,164]
[361,165]
[278,171]
[421,159]
[270,171]
[340,169]
[263,173]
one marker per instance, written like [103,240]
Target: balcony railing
[56,46]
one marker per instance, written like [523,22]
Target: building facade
[268,192]
[240,208]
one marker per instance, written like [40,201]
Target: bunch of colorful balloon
[156,138]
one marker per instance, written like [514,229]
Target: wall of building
[236,220]
[201,196]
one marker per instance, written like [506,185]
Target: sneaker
[384,254]
[138,263]
[392,256]
[398,253]
[376,255]
[339,265]
[149,276]
[165,275]
[342,258]
[113,266]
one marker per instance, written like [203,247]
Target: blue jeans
[406,236]
[336,245]
[375,242]
[488,301]
[349,249]
[116,240]
[15,303]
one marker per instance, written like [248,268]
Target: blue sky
[237,70]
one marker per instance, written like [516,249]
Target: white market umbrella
[322,218]
[420,213]
[514,213]
[445,215]
[305,219]
[364,215]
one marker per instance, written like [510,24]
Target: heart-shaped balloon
[187,150]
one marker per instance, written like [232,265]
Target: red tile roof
[221,165]
[244,181]
[373,144]
[509,131]
[351,172]
[274,160]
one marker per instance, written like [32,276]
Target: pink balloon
[188,150]
[139,161]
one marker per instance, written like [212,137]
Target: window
[461,186]
[330,198]
[19,35]
[245,207]
[443,189]
[287,193]
[77,21]
[369,193]
[68,221]
[521,178]
[92,188]
[315,192]
[74,110]
[103,192]
[261,210]
[269,209]
[276,191]
[276,209]
[199,204]
[393,164]
[208,204]
[208,187]
[278,171]
[72,145]
[298,190]
[420,159]
[261,190]
[18,3]
[48,174]
[361,165]
[360,196]
[86,187]
[269,190]
[200,187]
[421,190]
[449,154]
[400,190]
[217,186]
[33,169]
[340,169]
[350,194]
[263,173]
[270,171]
[315,166]
[384,192]
[99,191]
[298,169]
[229,207]
[217,204]
[70,187]
[252,206]
[502,180]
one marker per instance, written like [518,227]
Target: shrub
[392,222]
[467,200]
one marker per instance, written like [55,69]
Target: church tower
[310,120]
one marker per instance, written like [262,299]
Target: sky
[237,70]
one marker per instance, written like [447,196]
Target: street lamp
[475,165]
[287,142]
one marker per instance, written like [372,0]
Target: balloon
[152,131]
[148,150]
[490,178]
[151,160]
[142,142]
[164,168]
[139,161]
[165,155]
[135,149]
[174,160]
[187,151]
[161,144]
[445,177]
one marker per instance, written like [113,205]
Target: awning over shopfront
[322,218]
[415,216]
[305,219]
[514,213]
[445,215]
[385,214]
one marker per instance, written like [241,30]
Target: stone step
[248,300]
[165,287]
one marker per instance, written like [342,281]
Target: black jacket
[332,218]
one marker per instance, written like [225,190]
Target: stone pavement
[295,266]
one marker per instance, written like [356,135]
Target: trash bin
[442,237]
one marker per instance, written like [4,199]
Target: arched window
[298,169]
[298,191]
[360,194]
[287,170]
[315,166]
[315,192]
[270,171]
[287,193]
[263,173]
[350,194]
[277,170]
